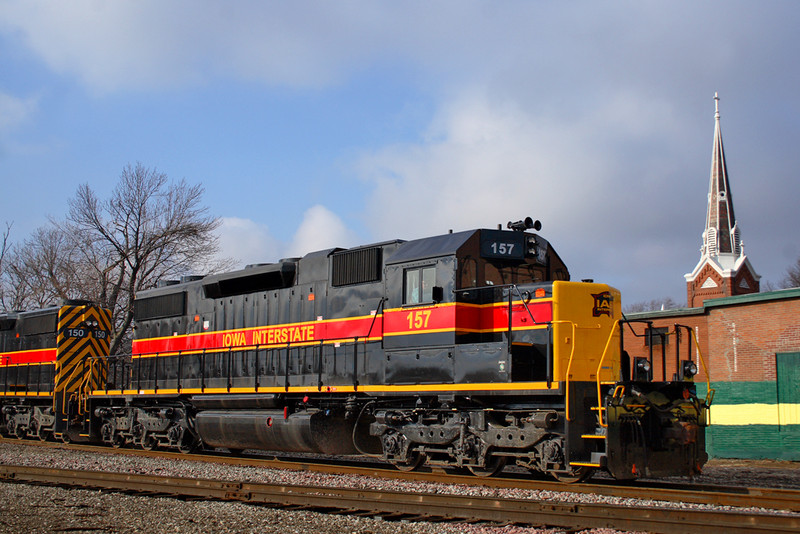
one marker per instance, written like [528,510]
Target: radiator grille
[171,305]
[357,266]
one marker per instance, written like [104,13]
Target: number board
[77,332]
[504,245]
[81,333]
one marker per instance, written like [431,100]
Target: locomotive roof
[252,279]
[19,314]
[430,247]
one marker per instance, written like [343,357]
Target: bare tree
[149,229]
[41,271]
[665,303]
[4,249]
[792,278]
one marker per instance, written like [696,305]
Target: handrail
[374,317]
[514,288]
[510,287]
[569,364]
[85,387]
[603,424]
[64,394]
[231,350]
[243,348]
[710,392]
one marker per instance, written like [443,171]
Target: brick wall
[636,344]
[738,336]
[743,339]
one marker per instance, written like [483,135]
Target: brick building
[751,348]
[749,341]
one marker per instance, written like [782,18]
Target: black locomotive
[470,349]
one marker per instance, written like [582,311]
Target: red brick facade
[743,282]
[738,336]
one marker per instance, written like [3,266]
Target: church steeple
[721,235]
[723,269]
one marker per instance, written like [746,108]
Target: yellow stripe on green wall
[755,414]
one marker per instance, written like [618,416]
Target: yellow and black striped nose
[83,336]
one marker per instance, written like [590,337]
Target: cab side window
[419,284]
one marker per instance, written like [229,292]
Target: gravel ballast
[25,508]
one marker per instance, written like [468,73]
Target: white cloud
[321,229]
[15,111]
[148,44]
[587,123]
[247,242]
[484,162]
[521,46]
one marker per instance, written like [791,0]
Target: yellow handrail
[569,363]
[85,388]
[603,424]
[710,392]
[64,394]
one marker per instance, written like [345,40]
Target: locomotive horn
[521,226]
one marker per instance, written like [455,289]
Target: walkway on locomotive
[398,316]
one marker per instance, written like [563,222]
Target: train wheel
[578,475]
[45,435]
[118,441]
[414,460]
[494,465]
[33,428]
[149,443]
[187,446]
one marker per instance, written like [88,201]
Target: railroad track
[419,506]
[735,496]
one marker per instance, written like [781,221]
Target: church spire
[723,270]
[721,236]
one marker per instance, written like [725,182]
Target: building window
[419,285]
[659,333]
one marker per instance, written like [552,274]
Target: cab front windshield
[496,274]
[482,273]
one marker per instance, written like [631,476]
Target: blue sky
[320,124]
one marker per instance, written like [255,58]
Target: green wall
[747,421]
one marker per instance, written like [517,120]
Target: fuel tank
[317,432]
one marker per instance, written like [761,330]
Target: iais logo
[602,304]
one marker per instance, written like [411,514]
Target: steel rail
[737,496]
[425,506]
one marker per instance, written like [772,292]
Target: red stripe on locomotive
[415,320]
[28,356]
[298,333]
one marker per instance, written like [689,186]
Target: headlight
[689,369]
[641,370]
